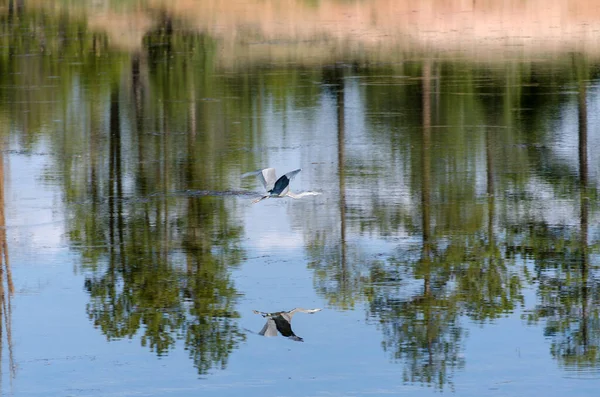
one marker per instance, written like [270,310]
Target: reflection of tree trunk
[189,171]
[115,187]
[192,114]
[5,293]
[166,24]
[15,8]
[136,81]
[3,241]
[165,182]
[341,166]
[490,184]
[93,150]
[138,102]
[583,162]
[426,198]
[426,202]
[426,171]
[334,77]
[584,202]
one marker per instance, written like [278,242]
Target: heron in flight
[282,322]
[277,187]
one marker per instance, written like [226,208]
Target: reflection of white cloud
[268,228]
[31,206]
[272,240]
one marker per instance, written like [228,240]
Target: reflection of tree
[139,287]
[6,284]
[490,283]
[212,334]
[156,263]
[159,121]
[569,287]
[461,268]
[422,329]
[336,265]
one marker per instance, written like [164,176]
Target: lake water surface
[454,245]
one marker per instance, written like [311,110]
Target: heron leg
[259,199]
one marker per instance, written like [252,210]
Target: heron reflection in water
[277,187]
[282,322]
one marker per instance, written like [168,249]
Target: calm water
[454,247]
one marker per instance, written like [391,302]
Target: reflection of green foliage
[337,273]
[466,268]
[156,262]
[568,293]
[149,297]
[133,132]
[421,329]
[425,336]
[491,288]
[168,298]
[145,287]
[209,291]
[39,56]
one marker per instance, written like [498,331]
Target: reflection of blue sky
[508,358]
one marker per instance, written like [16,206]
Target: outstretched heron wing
[266,176]
[270,328]
[283,183]
[290,175]
[283,326]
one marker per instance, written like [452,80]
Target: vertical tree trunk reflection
[425,205]
[426,175]
[115,184]
[6,290]
[584,204]
[341,173]
[489,159]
